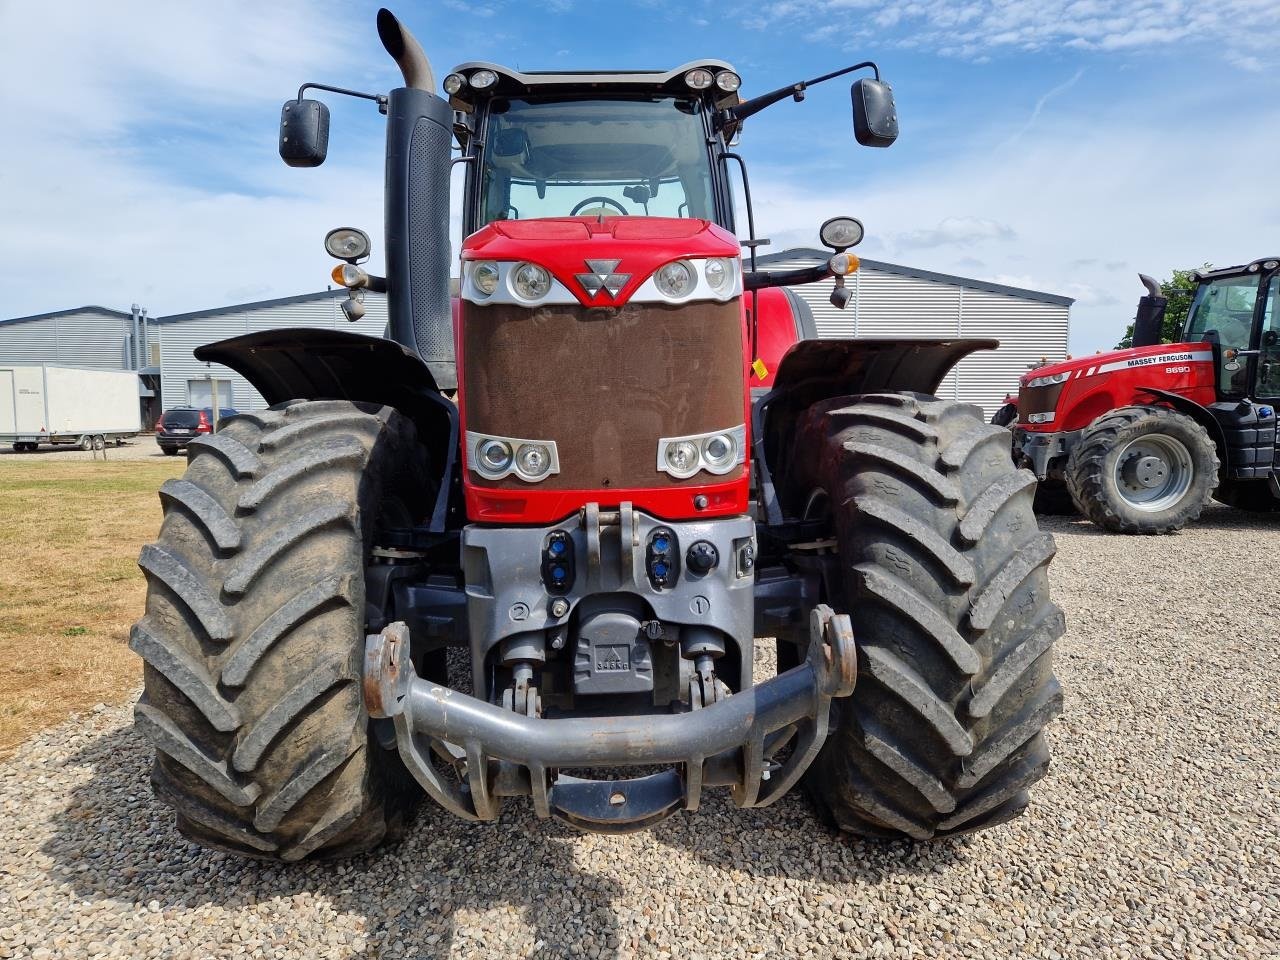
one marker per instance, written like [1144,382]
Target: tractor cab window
[570,156]
[1269,345]
[1226,306]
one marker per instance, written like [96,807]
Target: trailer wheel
[86,442]
[253,635]
[942,569]
[99,443]
[1142,470]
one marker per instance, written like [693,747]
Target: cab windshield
[563,156]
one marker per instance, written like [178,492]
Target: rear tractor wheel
[1142,470]
[253,635]
[942,570]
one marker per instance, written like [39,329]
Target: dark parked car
[179,426]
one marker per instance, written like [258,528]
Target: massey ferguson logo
[602,277]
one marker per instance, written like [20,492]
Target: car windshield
[556,157]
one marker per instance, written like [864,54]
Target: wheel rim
[1153,473]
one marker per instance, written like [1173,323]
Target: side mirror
[875,118]
[304,133]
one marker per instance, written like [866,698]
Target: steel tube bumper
[499,752]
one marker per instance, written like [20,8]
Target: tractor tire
[943,574]
[1006,416]
[1252,496]
[1053,499]
[1146,470]
[254,631]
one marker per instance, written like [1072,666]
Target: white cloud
[978,28]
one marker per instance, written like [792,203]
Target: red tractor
[1139,440]
[528,539]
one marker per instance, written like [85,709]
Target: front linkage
[508,751]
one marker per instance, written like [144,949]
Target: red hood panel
[1133,357]
[640,245]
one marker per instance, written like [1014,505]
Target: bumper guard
[498,752]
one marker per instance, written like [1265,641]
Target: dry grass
[70,532]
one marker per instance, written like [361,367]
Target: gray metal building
[890,300]
[186,381]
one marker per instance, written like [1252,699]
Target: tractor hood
[1112,360]
[625,251]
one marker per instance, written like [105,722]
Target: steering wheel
[607,201]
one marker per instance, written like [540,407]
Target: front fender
[306,363]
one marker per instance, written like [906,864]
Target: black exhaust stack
[419,137]
[1148,324]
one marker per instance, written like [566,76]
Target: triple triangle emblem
[602,277]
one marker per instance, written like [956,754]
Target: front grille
[1038,400]
[605,383]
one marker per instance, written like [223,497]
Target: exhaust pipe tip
[1153,288]
[405,51]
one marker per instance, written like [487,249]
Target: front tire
[1145,470]
[253,634]
[943,573]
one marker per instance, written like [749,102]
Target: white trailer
[41,403]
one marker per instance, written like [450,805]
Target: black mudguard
[302,363]
[815,370]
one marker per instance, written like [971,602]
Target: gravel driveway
[1155,835]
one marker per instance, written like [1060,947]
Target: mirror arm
[796,90]
[759,279]
[378,98]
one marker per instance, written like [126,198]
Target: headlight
[533,460]
[484,277]
[1047,381]
[495,458]
[717,452]
[675,280]
[728,81]
[698,79]
[841,232]
[347,243]
[531,282]
[453,83]
[682,458]
[718,273]
[483,79]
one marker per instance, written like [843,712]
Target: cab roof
[512,81]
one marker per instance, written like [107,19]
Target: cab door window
[1226,307]
[1269,345]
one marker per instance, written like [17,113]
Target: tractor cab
[1237,310]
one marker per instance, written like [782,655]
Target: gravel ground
[1154,836]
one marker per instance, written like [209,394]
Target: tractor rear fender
[300,363]
[815,370]
[1201,415]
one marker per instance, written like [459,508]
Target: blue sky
[1063,146]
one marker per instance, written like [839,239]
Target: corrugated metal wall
[77,338]
[904,307]
[180,338]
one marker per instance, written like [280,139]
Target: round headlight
[682,458]
[675,279]
[534,460]
[719,451]
[841,232]
[698,79]
[531,282]
[495,456]
[728,81]
[484,277]
[483,79]
[453,83]
[347,243]
[718,273]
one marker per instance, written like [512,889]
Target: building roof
[810,253]
[256,305]
[64,313]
